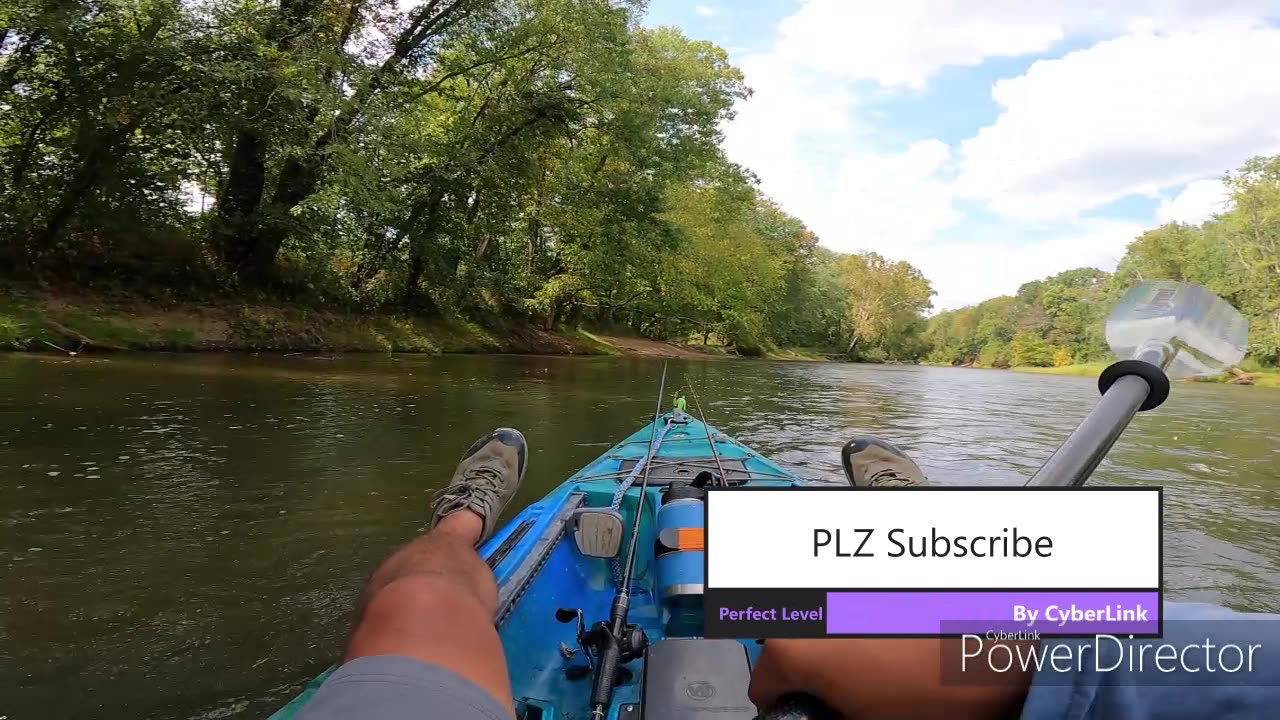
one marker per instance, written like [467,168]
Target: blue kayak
[566,551]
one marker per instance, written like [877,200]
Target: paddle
[1164,329]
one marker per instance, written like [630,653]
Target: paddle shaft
[1071,466]
[1076,458]
[1127,387]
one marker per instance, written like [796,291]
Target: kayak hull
[539,568]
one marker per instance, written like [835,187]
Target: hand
[888,678]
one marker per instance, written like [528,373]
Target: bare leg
[434,600]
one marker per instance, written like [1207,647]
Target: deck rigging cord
[617,642]
[644,465]
[724,479]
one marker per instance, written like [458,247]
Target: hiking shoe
[871,462]
[486,479]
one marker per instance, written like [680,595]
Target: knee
[432,595]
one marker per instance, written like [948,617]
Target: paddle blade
[1201,331]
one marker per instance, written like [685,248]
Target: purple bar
[1072,612]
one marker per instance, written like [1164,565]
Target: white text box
[1098,538]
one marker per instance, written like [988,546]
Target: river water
[183,537]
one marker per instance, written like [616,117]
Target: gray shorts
[387,687]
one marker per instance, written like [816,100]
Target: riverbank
[85,324]
[1260,377]
[71,323]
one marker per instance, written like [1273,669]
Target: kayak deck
[539,568]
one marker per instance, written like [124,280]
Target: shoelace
[479,486]
[889,477]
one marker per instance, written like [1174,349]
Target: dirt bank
[656,348]
[84,324]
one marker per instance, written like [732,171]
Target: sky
[994,142]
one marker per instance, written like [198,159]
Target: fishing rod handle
[606,672]
[800,707]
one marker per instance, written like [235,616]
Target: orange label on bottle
[691,539]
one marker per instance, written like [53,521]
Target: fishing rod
[617,642]
[724,479]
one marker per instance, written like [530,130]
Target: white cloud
[968,272]
[786,128]
[1130,116]
[1197,202]
[1181,92]
[903,43]
[898,204]
[897,200]
[705,10]
[802,140]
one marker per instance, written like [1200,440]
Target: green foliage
[1060,320]
[552,161]
[884,304]
[12,333]
[1030,350]
[994,354]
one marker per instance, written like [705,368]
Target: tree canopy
[551,160]
[1059,320]
[548,161]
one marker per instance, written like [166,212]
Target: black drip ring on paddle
[1155,377]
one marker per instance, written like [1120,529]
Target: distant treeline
[1059,320]
[547,161]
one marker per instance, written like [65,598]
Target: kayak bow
[541,569]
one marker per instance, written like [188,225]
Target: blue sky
[992,142]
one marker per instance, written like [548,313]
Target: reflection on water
[183,536]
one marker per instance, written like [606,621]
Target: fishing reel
[599,642]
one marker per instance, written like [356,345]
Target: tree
[1028,349]
[883,298]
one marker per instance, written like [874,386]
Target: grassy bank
[81,323]
[797,354]
[1261,377]
[1269,378]
[53,323]
[1093,369]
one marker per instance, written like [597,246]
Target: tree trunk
[416,267]
[238,205]
[533,241]
[248,244]
[420,240]
[473,210]
[22,162]
[99,154]
[96,148]
[300,177]
[263,240]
